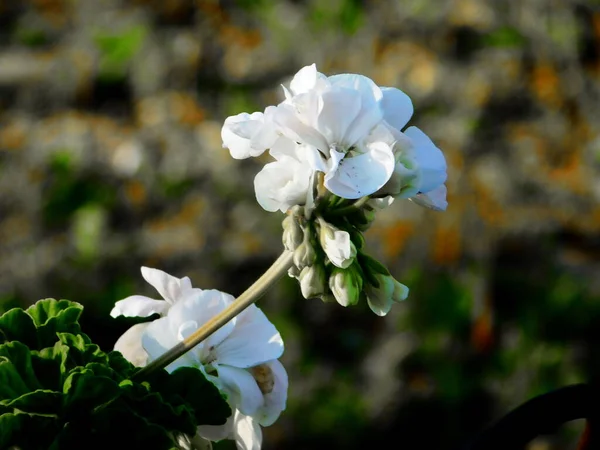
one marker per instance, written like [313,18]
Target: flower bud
[379,297]
[337,245]
[313,281]
[292,233]
[305,254]
[346,285]
[400,292]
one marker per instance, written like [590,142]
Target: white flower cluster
[241,358]
[347,128]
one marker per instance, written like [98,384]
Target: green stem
[250,296]
[351,208]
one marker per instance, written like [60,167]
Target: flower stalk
[247,298]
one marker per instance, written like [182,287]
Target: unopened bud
[379,297]
[346,285]
[313,281]
[292,233]
[337,245]
[305,254]
[400,292]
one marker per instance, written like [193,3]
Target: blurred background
[111,158]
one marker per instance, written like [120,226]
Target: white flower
[240,358]
[328,124]
[336,115]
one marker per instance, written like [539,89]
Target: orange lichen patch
[545,83]
[570,175]
[446,245]
[247,39]
[482,336]
[185,108]
[13,136]
[135,192]
[393,237]
[53,10]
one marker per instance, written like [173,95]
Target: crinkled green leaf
[26,431]
[113,427]
[20,356]
[11,383]
[42,401]
[54,316]
[17,325]
[209,405]
[81,351]
[157,410]
[85,391]
[118,362]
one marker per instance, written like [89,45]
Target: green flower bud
[380,297]
[313,281]
[345,285]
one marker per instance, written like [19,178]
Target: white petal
[339,107]
[397,107]
[430,159]
[139,306]
[241,388]
[370,109]
[282,184]
[246,432]
[275,401]
[304,80]
[253,341]
[364,174]
[435,199]
[168,286]
[217,432]
[200,307]
[291,126]
[157,338]
[130,345]
[238,133]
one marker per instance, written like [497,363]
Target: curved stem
[540,415]
[248,297]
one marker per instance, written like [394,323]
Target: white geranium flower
[339,120]
[336,115]
[240,358]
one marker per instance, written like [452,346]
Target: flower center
[264,378]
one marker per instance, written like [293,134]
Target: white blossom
[241,358]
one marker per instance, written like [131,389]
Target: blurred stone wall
[111,158]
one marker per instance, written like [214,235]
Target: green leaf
[118,363]
[11,383]
[54,316]
[157,410]
[81,352]
[17,325]
[85,391]
[209,405]
[42,401]
[25,431]
[20,356]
